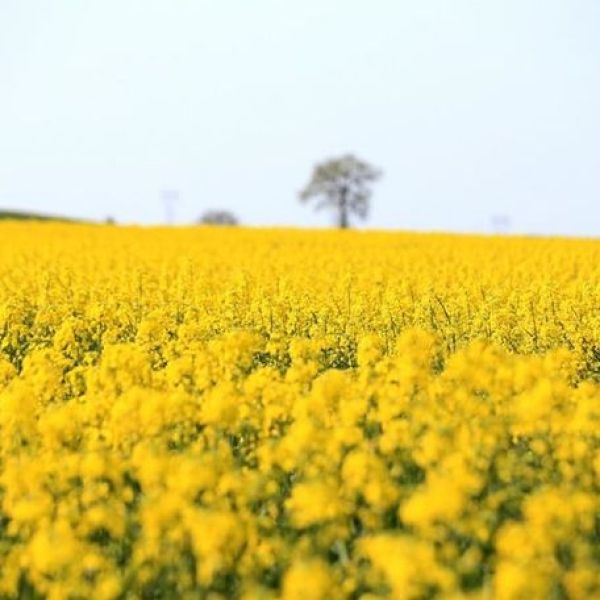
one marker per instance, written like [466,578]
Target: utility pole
[169,199]
[501,224]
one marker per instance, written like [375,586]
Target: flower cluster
[202,413]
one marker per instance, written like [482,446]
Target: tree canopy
[342,184]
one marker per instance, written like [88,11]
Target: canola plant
[234,413]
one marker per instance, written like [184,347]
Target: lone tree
[343,185]
[218,217]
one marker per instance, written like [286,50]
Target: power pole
[501,224]
[169,199]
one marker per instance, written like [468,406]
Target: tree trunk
[344,222]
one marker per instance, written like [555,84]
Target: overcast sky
[472,108]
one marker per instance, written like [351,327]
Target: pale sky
[472,108]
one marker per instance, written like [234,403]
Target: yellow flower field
[217,413]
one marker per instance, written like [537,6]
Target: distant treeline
[10,215]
